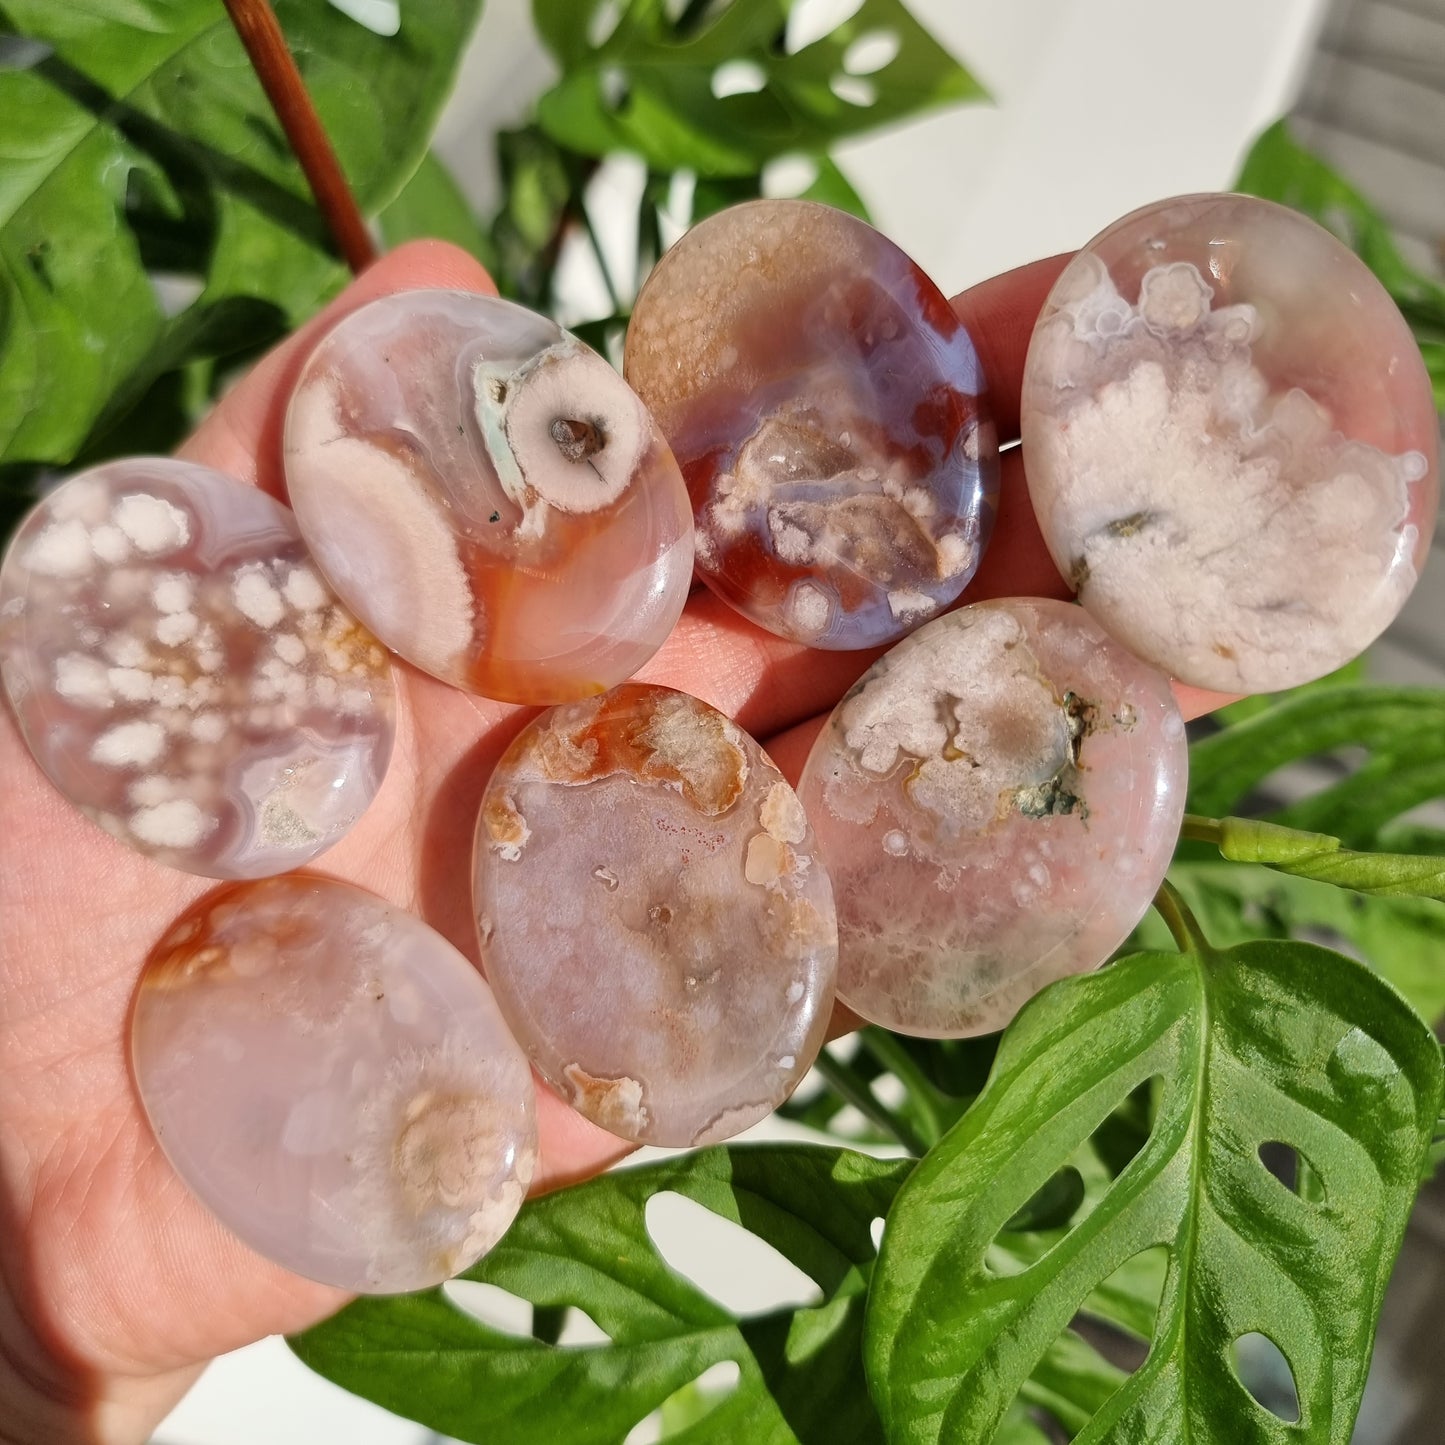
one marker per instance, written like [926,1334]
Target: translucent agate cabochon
[653,915]
[489,496]
[996,801]
[1231,442]
[183,674]
[333,1079]
[827,409]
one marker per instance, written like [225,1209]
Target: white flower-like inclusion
[183,676]
[1219,525]
[995,802]
[560,431]
[983,730]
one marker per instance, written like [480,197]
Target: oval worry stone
[184,676]
[996,801]
[333,1080]
[488,496]
[827,409]
[1230,442]
[653,917]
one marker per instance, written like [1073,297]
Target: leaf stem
[260,33]
[896,1058]
[846,1082]
[596,243]
[1202,830]
[1181,921]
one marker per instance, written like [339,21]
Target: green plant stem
[596,243]
[1180,920]
[846,1082]
[260,33]
[649,230]
[1202,830]
[895,1057]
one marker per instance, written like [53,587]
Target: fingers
[1000,315]
[242,436]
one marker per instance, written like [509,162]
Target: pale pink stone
[996,801]
[653,916]
[828,409]
[183,675]
[488,496]
[1231,442]
[333,1080]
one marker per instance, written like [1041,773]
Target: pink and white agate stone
[1231,442]
[332,1079]
[653,915]
[827,407]
[488,496]
[184,676]
[996,801]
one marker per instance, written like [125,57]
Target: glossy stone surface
[996,801]
[488,496]
[653,917]
[827,408]
[334,1081]
[1230,442]
[184,676]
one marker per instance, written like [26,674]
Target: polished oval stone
[653,917]
[1231,442]
[184,676]
[334,1081]
[827,408]
[996,801]
[488,496]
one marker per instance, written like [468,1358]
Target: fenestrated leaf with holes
[589,1247]
[647,84]
[1264,1044]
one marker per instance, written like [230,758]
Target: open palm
[115,1285]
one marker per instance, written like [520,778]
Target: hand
[115,1285]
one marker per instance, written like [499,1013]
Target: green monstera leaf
[588,1247]
[150,210]
[651,84]
[1268,1046]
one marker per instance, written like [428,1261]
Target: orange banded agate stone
[827,408]
[488,496]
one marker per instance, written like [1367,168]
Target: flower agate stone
[333,1080]
[827,408]
[996,802]
[654,920]
[488,496]
[1230,442]
[184,676]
